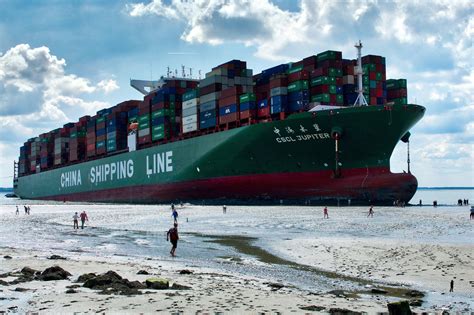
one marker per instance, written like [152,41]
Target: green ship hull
[288,161]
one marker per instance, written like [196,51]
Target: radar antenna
[360,101]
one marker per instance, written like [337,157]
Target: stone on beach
[157,283]
[399,308]
[54,273]
[111,282]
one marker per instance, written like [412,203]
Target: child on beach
[75,218]
[173,237]
[174,214]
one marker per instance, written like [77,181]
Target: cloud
[34,86]
[107,85]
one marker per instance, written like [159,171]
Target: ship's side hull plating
[293,160]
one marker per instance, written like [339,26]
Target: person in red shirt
[84,218]
[325,211]
[173,237]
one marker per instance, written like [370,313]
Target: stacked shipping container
[228,96]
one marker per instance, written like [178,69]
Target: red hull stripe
[374,183]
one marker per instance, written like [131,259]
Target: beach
[251,259]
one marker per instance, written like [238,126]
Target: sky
[60,60]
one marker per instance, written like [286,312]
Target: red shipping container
[373,100]
[228,118]
[278,82]
[234,90]
[309,68]
[297,76]
[378,92]
[330,64]
[210,89]
[339,81]
[247,114]
[263,112]
[311,60]
[144,139]
[372,75]
[90,146]
[320,89]
[318,72]
[348,70]
[228,101]
[333,99]
[101,138]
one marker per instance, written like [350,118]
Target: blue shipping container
[247,106]
[207,114]
[298,96]
[206,123]
[339,90]
[279,100]
[263,103]
[100,132]
[208,106]
[228,109]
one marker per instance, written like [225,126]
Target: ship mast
[360,101]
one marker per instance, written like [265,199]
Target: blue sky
[60,60]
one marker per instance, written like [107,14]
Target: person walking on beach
[174,214]
[325,211]
[84,218]
[75,218]
[371,212]
[29,209]
[451,286]
[173,237]
[26,209]
[17,211]
[224,209]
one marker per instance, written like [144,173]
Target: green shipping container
[143,118]
[400,101]
[100,144]
[158,113]
[340,99]
[143,125]
[110,141]
[322,98]
[319,80]
[73,134]
[394,84]
[298,86]
[132,119]
[332,89]
[158,129]
[326,55]
[247,97]
[111,147]
[295,69]
[189,95]
[378,76]
[100,119]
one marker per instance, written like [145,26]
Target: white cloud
[108,85]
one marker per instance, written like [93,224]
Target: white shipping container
[190,119]
[190,127]
[143,132]
[190,103]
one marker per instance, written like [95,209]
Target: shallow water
[140,231]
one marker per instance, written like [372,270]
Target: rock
[338,293]
[136,285]
[84,277]
[416,302]
[54,273]
[21,289]
[399,308]
[378,291]
[54,257]
[185,272]
[143,272]
[343,311]
[4,283]
[157,283]
[7,257]
[111,283]
[313,308]
[415,293]
[177,286]
[29,271]
[103,279]
[71,291]
[275,286]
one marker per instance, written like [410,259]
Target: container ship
[320,130]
